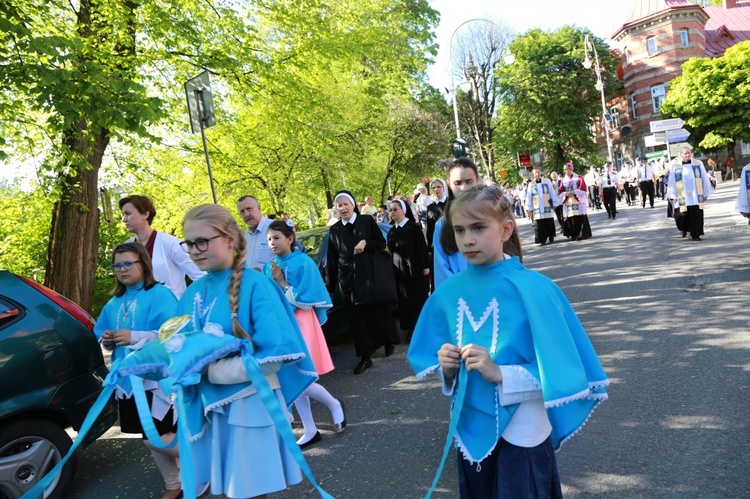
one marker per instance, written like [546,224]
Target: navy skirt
[511,472]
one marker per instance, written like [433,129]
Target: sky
[602,17]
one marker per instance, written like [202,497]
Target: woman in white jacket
[171,264]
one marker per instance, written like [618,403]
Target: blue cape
[308,288]
[523,319]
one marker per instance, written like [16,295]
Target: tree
[548,99]
[478,50]
[713,97]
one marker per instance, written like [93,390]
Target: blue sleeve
[106,319]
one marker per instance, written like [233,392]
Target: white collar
[351,220]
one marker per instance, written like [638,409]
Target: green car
[52,368]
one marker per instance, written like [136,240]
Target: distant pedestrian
[610,181]
[541,199]
[688,189]
[573,193]
[646,177]
[742,206]
[509,349]
[258,252]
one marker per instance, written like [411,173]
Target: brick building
[654,42]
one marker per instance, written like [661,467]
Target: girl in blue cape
[246,454]
[303,286]
[511,351]
[128,321]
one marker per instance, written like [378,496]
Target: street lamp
[509,58]
[589,45]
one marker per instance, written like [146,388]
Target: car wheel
[28,450]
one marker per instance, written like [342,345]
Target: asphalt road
[668,317]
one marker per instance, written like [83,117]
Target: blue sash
[458,404]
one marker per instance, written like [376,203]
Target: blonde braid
[238,270]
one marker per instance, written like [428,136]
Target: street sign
[674,149]
[663,125]
[680,135]
[657,139]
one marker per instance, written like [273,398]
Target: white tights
[316,392]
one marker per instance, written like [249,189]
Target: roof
[726,27]
[646,8]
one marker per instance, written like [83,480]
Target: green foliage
[713,97]
[548,97]
[24,230]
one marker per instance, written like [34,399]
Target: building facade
[654,42]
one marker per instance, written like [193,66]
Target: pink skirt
[315,340]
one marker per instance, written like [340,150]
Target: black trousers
[690,220]
[610,201]
[372,326]
[647,187]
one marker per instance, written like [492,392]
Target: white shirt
[645,172]
[743,204]
[258,252]
[608,177]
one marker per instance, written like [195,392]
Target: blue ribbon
[144,414]
[38,490]
[271,403]
[458,404]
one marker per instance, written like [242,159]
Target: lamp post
[509,58]
[589,45]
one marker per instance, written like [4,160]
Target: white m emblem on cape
[465,312]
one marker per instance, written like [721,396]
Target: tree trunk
[74,233]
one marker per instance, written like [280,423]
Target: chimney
[730,4]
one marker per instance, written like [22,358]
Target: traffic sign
[657,139]
[662,125]
[674,149]
[680,135]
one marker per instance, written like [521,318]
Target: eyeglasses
[201,244]
[123,266]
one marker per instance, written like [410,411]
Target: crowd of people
[478,333]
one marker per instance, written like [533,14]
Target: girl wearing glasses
[129,320]
[247,455]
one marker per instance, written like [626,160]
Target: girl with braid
[247,456]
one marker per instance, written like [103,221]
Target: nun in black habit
[411,264]
[361,268]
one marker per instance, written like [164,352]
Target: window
[684,38]
[627,56]
[8,312]
[651,45]
[634,106]
[615,116]
[657,96]
[618,161]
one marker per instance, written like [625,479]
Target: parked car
[52,368]
[315,242]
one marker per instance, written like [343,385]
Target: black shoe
[684,233]
[339,427]
[363,366]
[697,238]
[313,440]
[389,349]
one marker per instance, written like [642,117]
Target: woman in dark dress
[360,267]
[411,264]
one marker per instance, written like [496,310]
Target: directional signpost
[668,132]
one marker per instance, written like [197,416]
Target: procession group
[508,371]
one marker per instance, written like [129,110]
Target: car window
[8,312]
[313,243]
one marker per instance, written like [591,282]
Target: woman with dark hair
[411,264]
[357,265]
[462,174]
[299,278]
[170,263]
[128,321]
